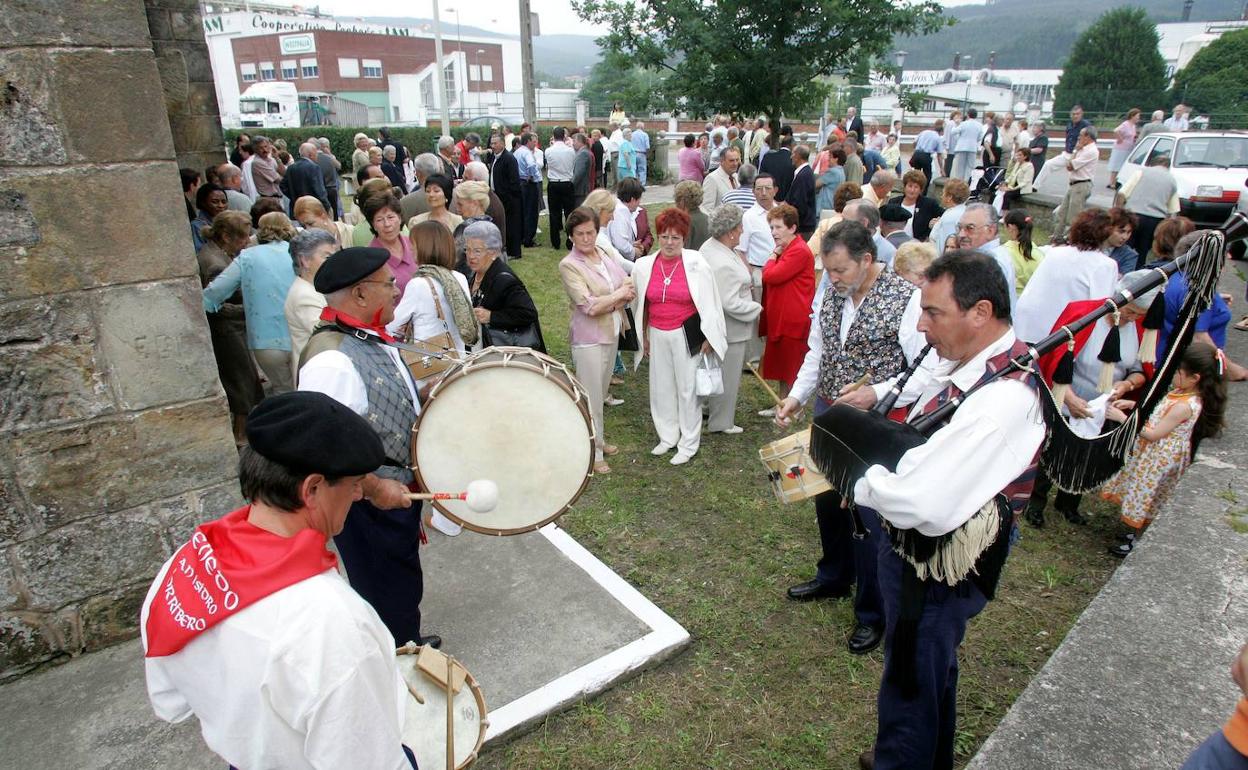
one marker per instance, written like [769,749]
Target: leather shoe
[1121,550]
[865,639]
[1034,517]
[813,589]
[1075,517]
[432,640]
[866,760]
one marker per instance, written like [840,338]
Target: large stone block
[13,520]
[17,223]
[117,463]
[112,617]
[202,99]
[173,81]
[10,596]
[96,227]
[30,132]
[122,85]
[48,367]
[155,343]
[158,23]
[25,642]
[197,507]
[197,133]
[188,25]
[117,23]
[91,557]
[198,63]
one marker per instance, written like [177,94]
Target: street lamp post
[966,95]
[459,41]
[900,58]
[480,78]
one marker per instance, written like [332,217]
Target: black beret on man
[893,212]
[309,432]
[348,267]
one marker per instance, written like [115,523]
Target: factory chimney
[1187,9]
[957,60]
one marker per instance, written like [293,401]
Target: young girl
[1193,410]
[1026,255]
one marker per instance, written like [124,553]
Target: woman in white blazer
[677,302]
[732,279]
[304,304]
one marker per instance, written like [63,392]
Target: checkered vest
[871,346]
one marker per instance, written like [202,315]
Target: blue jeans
[641,168]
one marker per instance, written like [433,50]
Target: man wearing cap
[347,358]
[250,628]
[893,219]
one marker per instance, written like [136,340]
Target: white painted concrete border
[666,638]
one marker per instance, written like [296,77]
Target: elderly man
[721,181]
[560,190]
[880,187]
[641,142]
[530,188]
[953,199]
[928,155]
[1178,120]
[757,245]
[231,178]
[853,122]
[743,195]
[966,138]
[505,181]
[383,138]
[758,140]
[349,360]
[1081,166]
[778,163]
[1008,132]
[449,166]
[978,231]
[867,323]
[893,219]
[1152,195]
[582,169]
[359,157]
[1153,126]
[330,168]
[801,192]
[1073,130]
[867,215]
[304,177]
[427,164]
[875,139]
[391,168]
[266,169]
[249,627]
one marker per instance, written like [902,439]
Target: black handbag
[628,342]
[528,337]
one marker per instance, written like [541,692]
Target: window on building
[372,68]
[474,72]
[266,71]
[290,69]
[448,78]
[349,68]
[248,71]
[309,69]
[487,72]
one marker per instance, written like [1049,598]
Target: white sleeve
[808,376]
[990,440]
[908,335]
[331,373]
[621,237]
[914,386]
[409,304]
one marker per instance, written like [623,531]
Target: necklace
[667,277]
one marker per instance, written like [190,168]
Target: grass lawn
[767,683]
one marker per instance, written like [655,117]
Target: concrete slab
[538,620]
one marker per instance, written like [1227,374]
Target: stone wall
[177,38]
[114,434]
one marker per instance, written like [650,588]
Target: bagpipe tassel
[1110,355]
[1064,374]
[1153,322]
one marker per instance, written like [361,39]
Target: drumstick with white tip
[481,495]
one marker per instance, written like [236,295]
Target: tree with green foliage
[617,79]
[1115,65]
[1215,81]
[750,57]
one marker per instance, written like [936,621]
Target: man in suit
[330,167]
[391,168]
[505,181]
[721,181]
[778,164]
[965,139]
[853,122]
[582,169]
[304,177]
[802,192]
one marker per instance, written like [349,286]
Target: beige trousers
[276,367]
[593,365]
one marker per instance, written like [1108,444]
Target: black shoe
[432,640]
[866,760]
[1075,517]
[813,589]
[1121,550]
[1126,537]
[865,639]
[1034,517]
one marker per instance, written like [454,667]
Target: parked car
[1209,166]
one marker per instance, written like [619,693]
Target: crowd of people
[830,266]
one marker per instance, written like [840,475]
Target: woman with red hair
[788,291]
[680,320]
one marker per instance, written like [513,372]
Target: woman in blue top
[829,180]
[265,273]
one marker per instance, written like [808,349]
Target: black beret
[889,212]
[312,433]
[348,267]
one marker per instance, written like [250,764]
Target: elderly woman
[310,212]
[688,198]
[599,291]
[473,201]
[438,191]
[210,200]
[229,234]
[689,159]
[304,304]
[437,300]
[788,290]
[391,168]
[680,318]
[500,301]
[385,218]
[602,202]
[732,279]
[264,272]
[923,209]
[832,177]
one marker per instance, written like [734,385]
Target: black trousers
[1142,237]
[512,208]
[846,560]
[381,551]
[530,197]
[1010,197]
[1063,502]
[560,200]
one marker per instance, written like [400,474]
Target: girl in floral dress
[1193,410]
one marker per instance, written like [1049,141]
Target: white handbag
[709,378]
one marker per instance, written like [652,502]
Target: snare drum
[792,474]
[424,727]
[516,417]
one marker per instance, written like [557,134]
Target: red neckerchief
[337,316]
[226,566]
[1073,312]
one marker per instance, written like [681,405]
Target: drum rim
[576,391]
[477,694]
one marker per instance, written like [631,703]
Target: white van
[269,105]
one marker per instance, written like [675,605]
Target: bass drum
[425,670]
[515,417]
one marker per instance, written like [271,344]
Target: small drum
[515,417]
[425,726]
[792,474]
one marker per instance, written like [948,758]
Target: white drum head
[514,425]
[424,727]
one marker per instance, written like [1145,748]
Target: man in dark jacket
[778,164]
[400,152]
[304,177]
[802,191]
[392,170]
[505,181]
[582,169]
[330,168]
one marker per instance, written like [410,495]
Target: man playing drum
[348,360]
[866,328]
[249,626]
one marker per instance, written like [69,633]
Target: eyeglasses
[392,283]
[971,228]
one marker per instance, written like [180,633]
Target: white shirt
[623,231]
[947,226]
[989,441]
[603,241]
[332,373]
[560,159]
[756,240]
[303,678]
[1176,124]
[418,306]
[1065,275]
[1003,259]
[909,337]
[249,183]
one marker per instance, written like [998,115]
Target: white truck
[269,105]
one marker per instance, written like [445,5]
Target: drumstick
[450,713]
[863,380]
[770,392]
[481,495]
[415,693]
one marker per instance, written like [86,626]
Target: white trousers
[594,364]
[1052,165]
[754,347]
[673,405]
[723,408]
[963,165]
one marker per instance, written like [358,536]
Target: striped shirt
[742,196]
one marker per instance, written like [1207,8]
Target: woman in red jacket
[788,290]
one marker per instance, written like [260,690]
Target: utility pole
[526,62]
[441,74]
